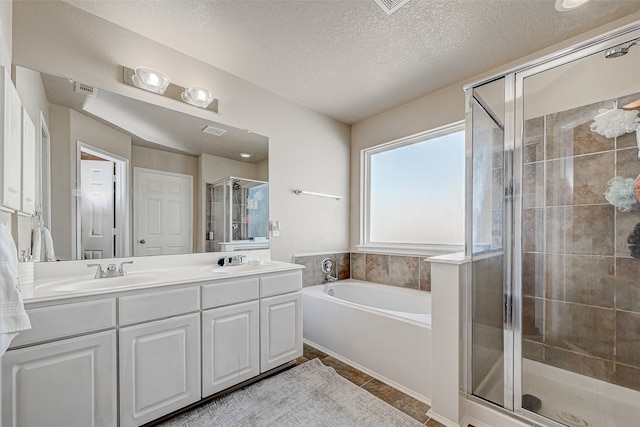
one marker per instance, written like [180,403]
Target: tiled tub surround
[581,288]
[404,271]
[313,275]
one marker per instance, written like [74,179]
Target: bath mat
[310,394]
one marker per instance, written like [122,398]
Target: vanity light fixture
[198,96]
[151,80]
[567,5]
[157,82]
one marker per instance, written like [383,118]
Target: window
[413,193]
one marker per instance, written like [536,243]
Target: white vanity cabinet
[280,319]
[70,382]
[160,359]
[131,357]
[230,334]
[10,143]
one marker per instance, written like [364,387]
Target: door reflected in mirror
[114,172]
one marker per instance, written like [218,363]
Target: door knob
[143,241]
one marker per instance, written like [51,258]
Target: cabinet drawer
[231,292]
[156,305]
[280,284]
[59,321]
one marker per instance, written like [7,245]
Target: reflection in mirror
[114,171]
[237,215]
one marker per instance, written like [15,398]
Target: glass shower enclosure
[554,236]
[237,215]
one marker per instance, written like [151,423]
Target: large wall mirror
[119,177]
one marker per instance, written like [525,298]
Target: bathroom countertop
[87,287]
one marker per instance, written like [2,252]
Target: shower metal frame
[512,219]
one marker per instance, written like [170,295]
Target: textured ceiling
[347,58]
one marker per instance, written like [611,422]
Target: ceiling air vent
[86,90]
[391,6]
[213,131]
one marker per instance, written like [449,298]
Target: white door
[69,383]
[230,346]
[280,330]
[97,213]
[159,368]
[163,212]
[28,164]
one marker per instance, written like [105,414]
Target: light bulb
[198,96]
[151,80]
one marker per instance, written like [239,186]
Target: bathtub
[385,331]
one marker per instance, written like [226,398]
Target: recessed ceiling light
[245,155]
[566,5]
[213,131]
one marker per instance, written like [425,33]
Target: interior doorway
[101,217]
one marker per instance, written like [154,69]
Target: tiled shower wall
[404,271]
[581,288]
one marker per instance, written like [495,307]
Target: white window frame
[366,245]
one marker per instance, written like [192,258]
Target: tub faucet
[327,266]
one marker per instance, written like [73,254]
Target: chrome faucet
[231,260]
[327,266]
[121,270]
[99,272]
[112,270]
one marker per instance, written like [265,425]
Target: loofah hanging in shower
[614,123]
[623,193]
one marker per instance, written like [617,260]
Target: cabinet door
[280,330]
[159,368]
[230,346]
[28,164]
[10,144]
[64,383]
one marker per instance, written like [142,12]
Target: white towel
[47,241]
[13,317]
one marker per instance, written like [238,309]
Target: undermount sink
[91,285]
[229,269]
[215,269]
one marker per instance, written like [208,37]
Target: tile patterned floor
[407,404]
